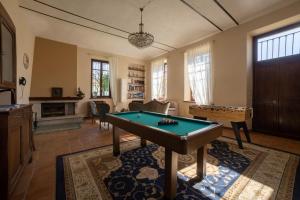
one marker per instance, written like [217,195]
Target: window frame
[269,33]
[101,73]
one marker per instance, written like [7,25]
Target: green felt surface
[184,127]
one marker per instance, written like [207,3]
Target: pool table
[188,135]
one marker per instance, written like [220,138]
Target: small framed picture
[57,92]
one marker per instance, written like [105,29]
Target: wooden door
[276,100]
[265,101]
[289,96]
[276,82]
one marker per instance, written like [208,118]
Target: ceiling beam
[94,21]
[229,15]
[191,7]
[84,26]
[76,15]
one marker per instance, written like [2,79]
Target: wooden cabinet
[16,145]
[16,142]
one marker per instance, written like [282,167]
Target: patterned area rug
[138,173]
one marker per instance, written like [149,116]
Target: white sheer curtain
[199,67]
[113,66]
[158,79]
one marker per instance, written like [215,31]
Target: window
[280,44]
[100,86]
[198,75]
[159,79]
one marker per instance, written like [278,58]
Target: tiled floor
[38,180]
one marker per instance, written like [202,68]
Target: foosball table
[236,115]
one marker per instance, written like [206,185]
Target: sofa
[152,106]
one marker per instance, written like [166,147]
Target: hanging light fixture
[141,39]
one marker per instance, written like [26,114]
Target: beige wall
[232,58]
[25,44]
[54,65]
[84,57]
[63,65]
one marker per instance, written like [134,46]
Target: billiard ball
[166,121]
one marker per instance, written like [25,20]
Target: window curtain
[113,66]
[199,67]
[158,81]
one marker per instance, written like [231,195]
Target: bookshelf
[136,82]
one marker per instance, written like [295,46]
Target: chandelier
[141,39]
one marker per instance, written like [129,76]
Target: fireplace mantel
[55,98]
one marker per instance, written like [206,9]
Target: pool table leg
[116,141]
[171,162]
[236,129]
[246,131]
[143,142]
[201,162]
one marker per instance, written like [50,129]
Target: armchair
[99,111]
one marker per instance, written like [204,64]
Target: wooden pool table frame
[196,140]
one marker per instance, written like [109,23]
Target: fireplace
[55,114]
[57,109]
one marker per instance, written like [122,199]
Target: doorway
[276,82]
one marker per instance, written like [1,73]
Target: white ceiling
[170,21]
